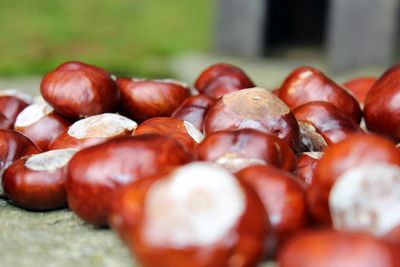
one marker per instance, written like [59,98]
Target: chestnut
[283,196]
[96,172]
[354,151]
[331,248]
[94,130]
[194,110]
[322,124]
[41,124]
[255,108]
[382,105]
[12,102]
[37,182]
[306,84]
[360,87]
[221,69]
[306,164]
[14,145]
[366,198]
[5,123]
[196,215]
[182,131]
[144,99]
[235,150]
[77,90]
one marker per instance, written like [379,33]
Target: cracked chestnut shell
[77,90]
[306,84]
[164,225]
[254,108]
[96,172]
[235,150]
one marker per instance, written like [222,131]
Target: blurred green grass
[127,37]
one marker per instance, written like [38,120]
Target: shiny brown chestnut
[194,109]
[322,124]
[5,123]
[77,90]
[331,248]
[235,150]
[221,69]
[182,131]
[360,87]
[37,182]
[283,196]
[306,84]
[94,130]
[255,108]
[144,99]
[354,151]
[366,198]
[179,219]
[382,105]
[41,124]
[12,102]
[306,164]
[96,172]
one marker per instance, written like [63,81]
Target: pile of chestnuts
[223,173]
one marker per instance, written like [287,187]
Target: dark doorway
[292,23]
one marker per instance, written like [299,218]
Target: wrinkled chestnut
[255,108]
[194,110]
[355,151]
[41,124]
[366,198]
[182,131]
[382,105]
[360,87]
[322,124]
[95,173]
[306,84]
[235,150]
[12,103]
[77,90]
[37,182]
[221,78]
[196,215]
[144,99]
[306,164]
[94,130]
[330,248]
[283,197]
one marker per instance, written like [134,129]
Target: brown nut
[77,90]
[356,150]
[37,182]
[96,172]
[360,87]
[12,103]
[194,110]
[283,196]
[382,105]
[330,248]
[255,108]
[94,130]
[179,219]
[41,124]
[144,99]
[306,164]
[235,150]
[322,124]
[5,123]
[182,131]
[306,84]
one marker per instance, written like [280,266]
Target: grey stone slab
[361,32]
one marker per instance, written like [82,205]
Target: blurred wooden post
[361,33]
[240,27]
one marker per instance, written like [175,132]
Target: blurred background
[179,38]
